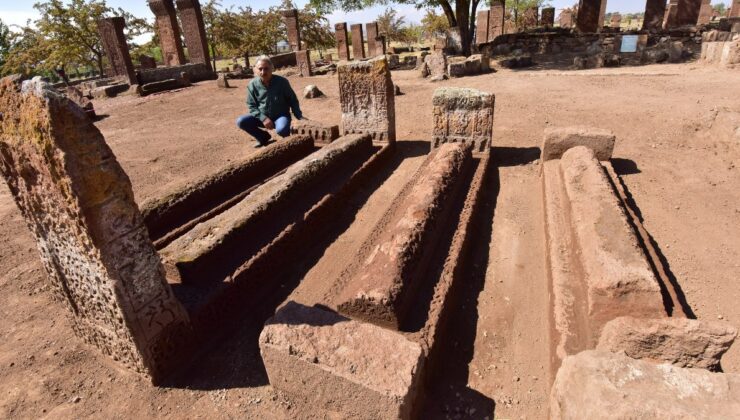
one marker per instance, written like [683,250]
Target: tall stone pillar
[114,44]
[481,26]
[371,30]
[654,15]
[290,18]
[566,18]
[194,30]
[303,61]
[687,12]
[669,19]
[531,17]
[734,10]
[496,19]
[602,14]
[168,31]
[705,13]
[589,15]
[358,42]
[548,17]
[340,33]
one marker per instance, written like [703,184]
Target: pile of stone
[720,48]
[441,66]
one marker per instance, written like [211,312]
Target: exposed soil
[677,152]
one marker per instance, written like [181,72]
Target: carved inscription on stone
[193,27]
[290,18]
[168,31]
[496,20]
[548,17]
[78,203]
[116,49]
[358,42]
[366,97]
[303,60]
[340,32]
[462,115]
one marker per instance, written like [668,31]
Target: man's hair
[264,58]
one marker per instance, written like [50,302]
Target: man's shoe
[257,145]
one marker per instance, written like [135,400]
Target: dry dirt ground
[678,150]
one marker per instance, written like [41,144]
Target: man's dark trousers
[256,128]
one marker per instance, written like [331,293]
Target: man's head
[263,68]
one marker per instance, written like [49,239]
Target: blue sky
[18,11]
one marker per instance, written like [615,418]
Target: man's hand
[267,122]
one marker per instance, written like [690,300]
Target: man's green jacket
[272,101]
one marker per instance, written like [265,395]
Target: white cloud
[410,14]
[17,17]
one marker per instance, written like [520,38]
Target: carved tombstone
[687,12]
[669,20]
[194,30]
[116,49]
[168,31]
[589,17]
[340,32]
[147,62]
[496,19]
[78,203]
[290,18]
[481,26]
[462,115]
[566,18]
[367,100]
[654,14]
[371,30]
[705,12]
[380,45]
[531,15]
[358,42]
[303,61]
[548,17]
[734,10]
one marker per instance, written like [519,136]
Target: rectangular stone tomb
[596,267]
[79,205]
[211,251]
[320,133]
[382,290]
[322,360]
[367,99]
[463,115]
[182,208]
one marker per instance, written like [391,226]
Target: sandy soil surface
[678,148]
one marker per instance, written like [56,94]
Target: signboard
[629,44]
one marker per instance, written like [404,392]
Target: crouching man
[270,99]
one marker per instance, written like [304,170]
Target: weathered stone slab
[436,63]
[212,250]
[147,62]
[78,203]
[558,140]
[683,342]
[687,12]
[734,10]
[288,59]
[303,60]
[530,17]
[705,12]
[367,100]
[615,21]
[168,31]
[340,33]
[194,30]
[371,30]
[161,86]
[290,19]
[598,384]
[589,15]
[109,91]
[654,15]
[547,18]
[481,26]
[456,69]
[323,360]
[671,15]
[358,42]
[462,115]
[320,133]
[116,48]
[496,19]
[384,287]
[222,82]
[566,18]
[193,72]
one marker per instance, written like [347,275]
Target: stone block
[437,63]
[161,86]
[481,26]
[681,342]
[79,205]
[320,133]
[289,59]
[558,140]
[496,19]
[358,42]
[654,15]
[340,33]
[311,92]
[590,16]
[366,99]
[303,60]
[599,384]
[705,12]
[322,360]
[687,12]
[194,30]
[371,31]
[168,30]
[548,17]
[383,289]
[290,19]
[462,115]
[222,82]
[207,254]
[456,69]
[109,91]
[116,48]
[147,62]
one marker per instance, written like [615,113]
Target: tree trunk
[99,60]
[463,25]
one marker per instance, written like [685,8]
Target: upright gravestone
[358,43]
[367,99]
[462,115]
[193,27]
[615,21]
[734,10]
[147,62]
[548,17]
[602,14]
[687,12]
[78,203]
[371,30]
[290,18]
[589,18]
[705,12]
[303,60]
[566,18]
[380,45]
[116,49]
[669,21]
[340,33]
[496,19]
[530,17]
[654,15]
[481,26]
[168,31]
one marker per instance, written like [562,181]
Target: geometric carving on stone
[462,115]
[290,19]
[340,32]
[114,44]
[367,99]
[194,30]
[168,31]
[496,19]
[358,42]
[79,206]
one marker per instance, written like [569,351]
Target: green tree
[434,25]
[516,8]
[316,33]
[720,8]
[390,24]
[460,14]
[4,43]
